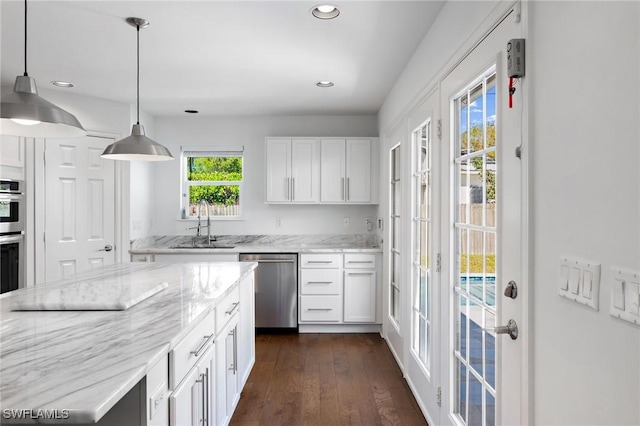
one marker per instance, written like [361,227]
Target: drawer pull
[319,261]
[359,273]
[196,353]
[320,309]
[233,308]
[359,261]
[320,282]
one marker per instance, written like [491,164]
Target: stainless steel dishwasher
[276,289]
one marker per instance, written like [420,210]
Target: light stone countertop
[86,361]
[322,243]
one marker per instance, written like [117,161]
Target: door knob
[511,329]
[511,290]
[108,247]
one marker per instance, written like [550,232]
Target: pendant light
[137,146]
[24,113]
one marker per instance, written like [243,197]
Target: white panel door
[79,210]
[483,201]
[278,170]
[358,164]
[304,170]
[332,170]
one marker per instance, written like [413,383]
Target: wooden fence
[215,210]
[478,238]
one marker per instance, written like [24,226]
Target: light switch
[632,295]
[587,280]
[618,294]
[564,277]
[574,280]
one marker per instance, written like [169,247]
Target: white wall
[583,67]
[259,218]
[141,189]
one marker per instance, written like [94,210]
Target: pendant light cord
[25,39]
[138,73]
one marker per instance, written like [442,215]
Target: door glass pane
[394,233]
[475,236]
[421,261]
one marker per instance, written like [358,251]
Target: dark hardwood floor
[325,379]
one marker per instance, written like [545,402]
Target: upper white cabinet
[345,171]
[12,157]
[320,170]
[291,170]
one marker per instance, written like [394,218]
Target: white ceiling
[219,57]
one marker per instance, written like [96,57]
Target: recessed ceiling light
[62,83]
[324,84]
[325,11]
[191,111]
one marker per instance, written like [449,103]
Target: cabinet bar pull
[359,273]
[320,282]
[271,261]
[347,197]
[201,348]
[359,261]
[233,308]
[319,261]
[319,309]
[293,189]
[343,195]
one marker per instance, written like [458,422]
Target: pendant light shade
[24,113]
[137,147]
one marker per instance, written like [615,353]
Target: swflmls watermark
[39,414]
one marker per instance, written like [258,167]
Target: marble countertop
[166,244]
[86,361]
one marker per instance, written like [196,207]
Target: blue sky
[476,110]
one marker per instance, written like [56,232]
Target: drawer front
[190,349]
[331,261]
[320,308]
[320,281]
[227,308]
[360,261]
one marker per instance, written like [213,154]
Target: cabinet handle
[293,189]
[343,195]
[347,197]
[359,261]
[201,348]
[320,282]
[234,365]
[319,261]
[319,309]
[359,273]
[233,308]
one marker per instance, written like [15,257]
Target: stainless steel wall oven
[12,220]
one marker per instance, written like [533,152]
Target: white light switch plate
[625,295]
[579,280]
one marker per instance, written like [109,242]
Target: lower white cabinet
[190,402]
[210,366]
[338,288]
[192,257]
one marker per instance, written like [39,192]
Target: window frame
[210,151]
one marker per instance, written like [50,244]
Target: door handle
[108,247]
[511,329]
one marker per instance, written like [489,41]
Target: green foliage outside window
[214,169]
[476,139]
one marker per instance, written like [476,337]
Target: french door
[482,234]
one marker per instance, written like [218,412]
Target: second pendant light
[137,146]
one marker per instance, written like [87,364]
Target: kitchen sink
[203,246]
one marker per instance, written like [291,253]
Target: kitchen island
[75,367]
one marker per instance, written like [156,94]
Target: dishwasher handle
[270,261]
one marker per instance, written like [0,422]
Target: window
[215,176]
[394,234]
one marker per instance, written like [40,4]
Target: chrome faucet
[206,205]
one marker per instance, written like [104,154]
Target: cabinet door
[332,170]
[358,163]
[227,394]
[187,402]
[206,370]
[304,171]
[246,331]
[359,296]
[278,170]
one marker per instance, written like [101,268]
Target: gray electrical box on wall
[515,57]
